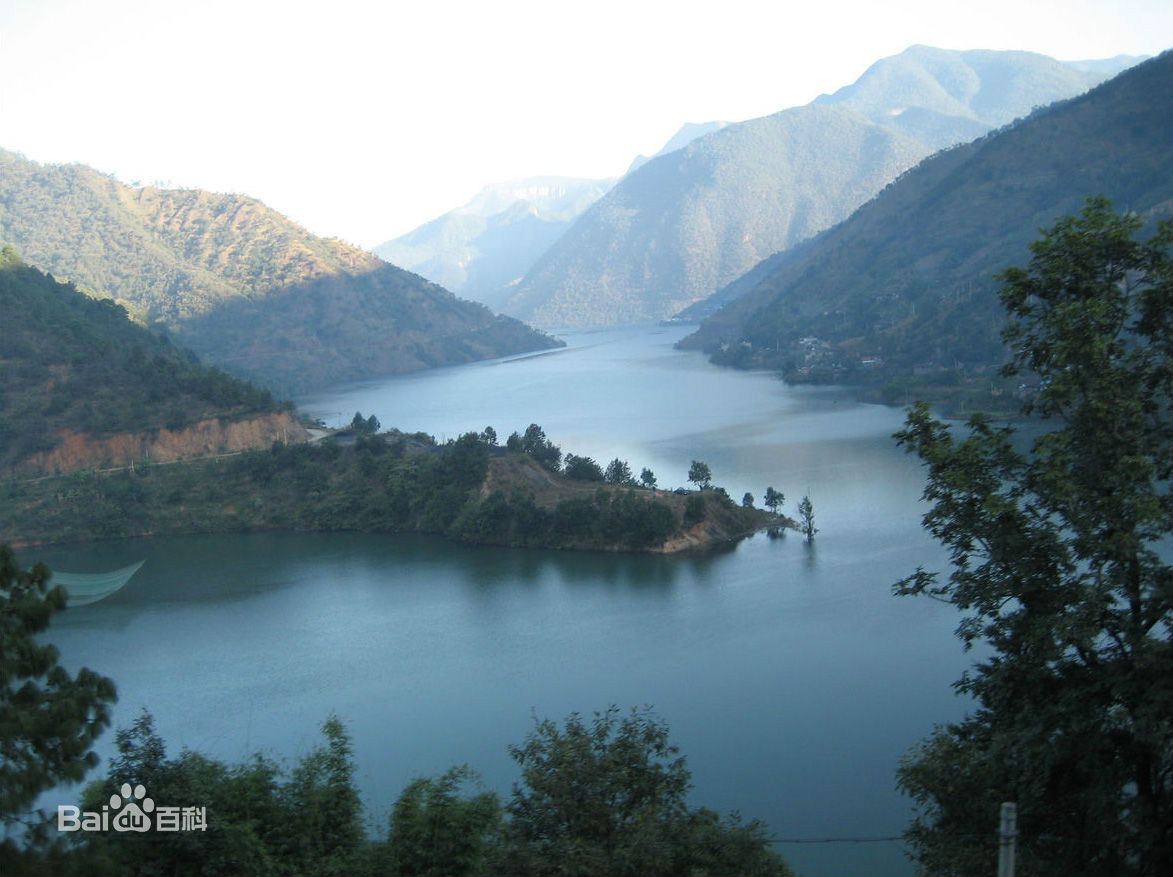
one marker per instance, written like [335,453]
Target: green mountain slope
[198,262]
[490,242]
[74,369]
[684,225]
[908,282]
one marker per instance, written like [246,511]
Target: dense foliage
[468,489]
[609,797]
[71,362]
[240,284]
[604,799]
[49,718]
[1061,560]
[902,295]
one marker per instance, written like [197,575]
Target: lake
[790,676]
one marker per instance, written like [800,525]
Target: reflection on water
[789,675]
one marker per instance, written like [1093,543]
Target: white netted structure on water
[90,587]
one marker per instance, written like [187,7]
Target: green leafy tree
[608,796]
[323,801]
[582,468]
[489,436]
[535,443]
[49,718]
[700,474]
[774,499]
[437,830]
[747,500]
[648,478]
[466,460]
[618,472]
[1061,559]
[261,821]
[806,512]
[365,425]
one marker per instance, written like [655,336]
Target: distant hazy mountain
[688,223]
[491,241]
[908,282]
[1109,66]
[240,284]
[484,248]
[943,97]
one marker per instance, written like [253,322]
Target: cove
[789,675]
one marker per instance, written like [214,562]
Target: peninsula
[471,490]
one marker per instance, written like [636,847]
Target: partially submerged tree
[1061,558]
[806,512]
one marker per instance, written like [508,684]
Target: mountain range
[242,285]
[906,287]
[683,225]
[482,248]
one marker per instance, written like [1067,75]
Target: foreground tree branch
[1061,556]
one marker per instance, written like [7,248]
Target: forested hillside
[304,311]
[684,225]
[906,287]
[75,369]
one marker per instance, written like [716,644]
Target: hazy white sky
[362,120]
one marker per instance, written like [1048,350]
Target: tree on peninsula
[774,499]
[618,472]
[1060,558]
[700,474]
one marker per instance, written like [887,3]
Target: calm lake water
[789,675]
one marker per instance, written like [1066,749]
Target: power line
[833,840]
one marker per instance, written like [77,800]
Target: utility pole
[1007,839]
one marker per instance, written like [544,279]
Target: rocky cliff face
[206,438]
